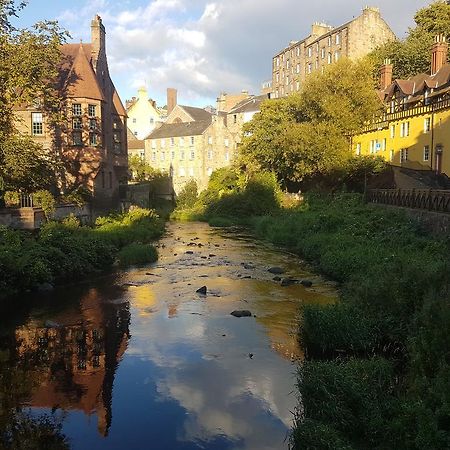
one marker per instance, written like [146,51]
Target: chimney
[98,41]
[438,53]
[171,99]
[386,74]
[142,93]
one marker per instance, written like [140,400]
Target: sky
[202,47]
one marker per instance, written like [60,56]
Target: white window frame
[37,124]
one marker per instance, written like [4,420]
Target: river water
[139,360]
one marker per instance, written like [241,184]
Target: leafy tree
[412,55]
[307,134]
[188,195]
[141,170]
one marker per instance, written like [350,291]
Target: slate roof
[137,144]
[197,113]
[168,130]
[251,104]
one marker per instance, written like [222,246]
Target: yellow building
[414,131]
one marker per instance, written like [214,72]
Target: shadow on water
[140,360]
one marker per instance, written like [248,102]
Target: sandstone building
[323,46]
[191,144]
[92,143]
[414,131]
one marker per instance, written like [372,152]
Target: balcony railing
[425,199]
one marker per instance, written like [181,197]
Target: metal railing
[426,199]
[26,201]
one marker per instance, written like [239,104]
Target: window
[182,155]
[153,156]
[426,153]
[192,140]
[172,141]
[172,155]
[329,41]
[336,55]
[383,144]
[392,131]
[116,137]
[76,109]
[322,52]
[37,128]
[287,64]
[298,85]
[142,154]
[235,118]
[278,77]
[93,139]
[227,156]
[309,69]
[192,155]
[317,48]
[309,52]
[210,140]
[117,147]
[209,171]
[76,138]
[92,124]
[162,156]
[163,143]
[358,149]
[403,155]
[134,119]
[298,51]
[404,129]
[427,125]
[153,144]
[210,154]
[181,172]
[298,68]
[191,171]
[391,155]
[152,120]
[316,64]
[77,124]
[330,58]
[181,141]
[227,143]
[338,39]
[287,80]
[278,62]
[91,110]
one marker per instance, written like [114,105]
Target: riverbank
[66,252]
[376,362]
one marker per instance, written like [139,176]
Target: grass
[137,254]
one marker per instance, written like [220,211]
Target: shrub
[12,199]
[46,201]
[137,254]
[188,195]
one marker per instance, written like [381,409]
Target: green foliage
[45,200]
[350,399]
[141,170]
[188,195]
[79,196]
[220,222]
[12,199]
[137,254]
[66,252]
[412,55]
[306,134]
[24,165]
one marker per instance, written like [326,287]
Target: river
[139,360]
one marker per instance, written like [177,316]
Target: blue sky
[202,47]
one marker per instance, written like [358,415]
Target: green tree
[412,55]
[307,134]
[141,170]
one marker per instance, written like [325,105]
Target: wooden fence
[425,199]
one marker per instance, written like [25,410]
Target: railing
[426,199]
[26,201]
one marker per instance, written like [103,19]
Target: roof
[168,130]
[251,104]
[136,144]
[79,79]
[197,113]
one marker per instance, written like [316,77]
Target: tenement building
[414,131]
[325,45]
[91,144]
[191,144]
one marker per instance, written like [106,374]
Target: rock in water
[306,283]
[243,313]
[202,291]
[276,270]
[276,279]
[288,281]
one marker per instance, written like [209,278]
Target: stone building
[143,114]
[414,130]
[191,144]
[326,44]
[91,144]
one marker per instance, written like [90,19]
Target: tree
[307,134]
[141,170]
[412,55]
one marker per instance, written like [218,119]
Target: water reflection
[174,369]
[72,356]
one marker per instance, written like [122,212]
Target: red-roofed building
[92,142]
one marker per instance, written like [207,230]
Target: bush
[46,201]
[188,195]
[137,254]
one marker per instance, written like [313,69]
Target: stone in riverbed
[242,313]
[248,266]
[276,270]
[306,283]
[189,252]
[202,291]
[276,278]
[288,282]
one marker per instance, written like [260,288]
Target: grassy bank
[377,368]
[66,252]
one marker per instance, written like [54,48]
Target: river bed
[139,360]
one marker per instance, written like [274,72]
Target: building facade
[143,114]
[325,45]
[91,143]
[414,131]
[190,145]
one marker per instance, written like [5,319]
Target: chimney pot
[438,53]
[386,74]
